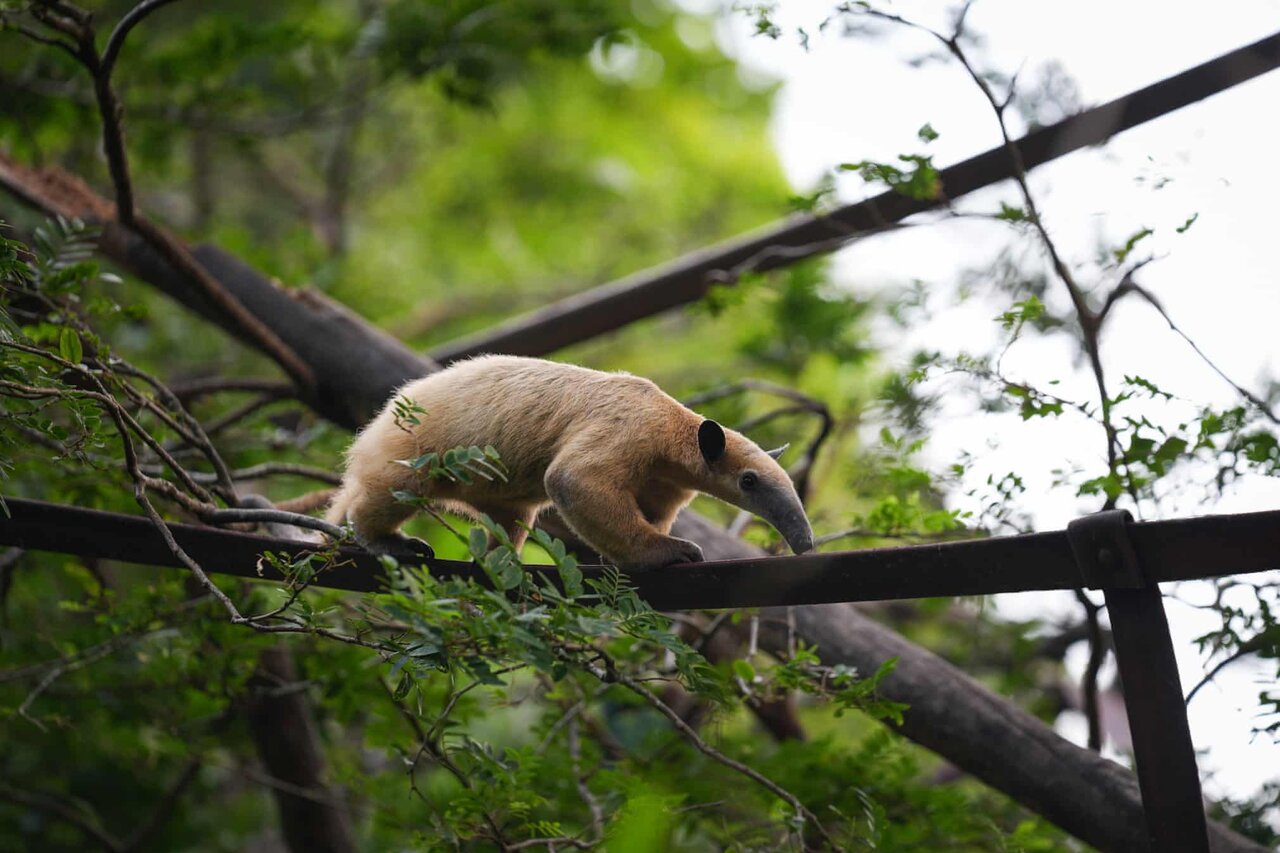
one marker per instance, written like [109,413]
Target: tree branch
[284,731]
[116,41]
[86,823]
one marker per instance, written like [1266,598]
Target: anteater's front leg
[608,517]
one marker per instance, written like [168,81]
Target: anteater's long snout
[786,514]
[799,535]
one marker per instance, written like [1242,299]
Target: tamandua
[616,456]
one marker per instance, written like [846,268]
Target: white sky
[848,100]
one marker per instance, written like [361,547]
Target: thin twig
[187,391]
[89,824]
[614,675]
[8,23]
[1248,647]
[116,41]
[1089,682]
[1248,395]
[261,471]
[243,411]
[277,516]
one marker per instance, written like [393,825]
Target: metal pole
[1163,754]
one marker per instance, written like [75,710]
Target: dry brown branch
[78,26]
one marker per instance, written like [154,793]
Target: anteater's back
[526,408]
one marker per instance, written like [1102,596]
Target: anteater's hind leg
[375,516]
[514,520]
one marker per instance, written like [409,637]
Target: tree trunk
[312,818]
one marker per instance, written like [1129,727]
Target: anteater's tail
[342,500]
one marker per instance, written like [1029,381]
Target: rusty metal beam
[1164,757]
[1209,546]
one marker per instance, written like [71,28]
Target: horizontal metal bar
[1209,546]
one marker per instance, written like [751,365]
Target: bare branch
[1248,647]
[75,815]
[164,808]
[188,391]
[684,280]
[230,516]
[116,41]
[8,23]
[612,674]
[245,410]
[261,471]
[1257,402]
[1089,682]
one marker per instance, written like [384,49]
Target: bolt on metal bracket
[1104,552]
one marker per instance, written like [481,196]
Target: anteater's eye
[749,481]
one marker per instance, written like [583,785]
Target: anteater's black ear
[711,440]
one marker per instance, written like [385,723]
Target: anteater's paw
[405,549]
[684,551]
[668,552]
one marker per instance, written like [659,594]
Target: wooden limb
[321,332]
[284,732]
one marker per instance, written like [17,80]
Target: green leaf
[570,574]
[478,543]
[1124,251]
[926,133]
[1012,214]
[69,346]
[1028,310]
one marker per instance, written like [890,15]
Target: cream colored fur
[616,455]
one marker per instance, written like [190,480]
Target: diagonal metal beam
[684,280]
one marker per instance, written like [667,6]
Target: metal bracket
[1163,754]
[1104,552]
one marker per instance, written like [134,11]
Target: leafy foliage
[920,181]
